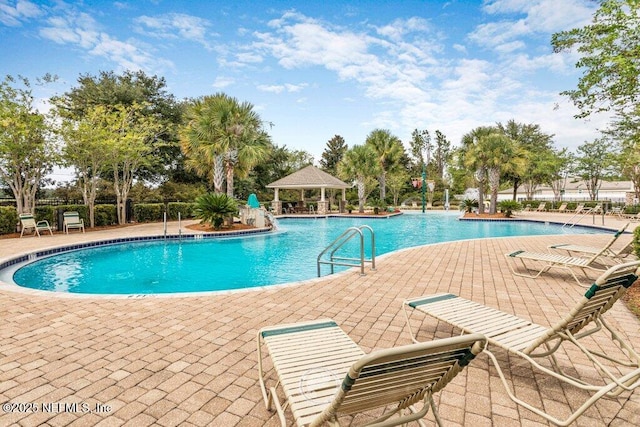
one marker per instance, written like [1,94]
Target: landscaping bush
[105,215]
[148,212]
[8,219]
[185,209]
[468,204]
[214,208]
[508,206]
[45,213]
[636,241]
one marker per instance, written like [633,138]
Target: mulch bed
[208,229]
[484,215]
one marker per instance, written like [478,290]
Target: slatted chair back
[600,297]
[404,375]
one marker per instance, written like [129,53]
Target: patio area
[191,360]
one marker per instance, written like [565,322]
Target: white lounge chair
[525,339]
[561,209]
[324,374]
[564,262]
[542,207]
[617,255]
[72,220]
[27,221]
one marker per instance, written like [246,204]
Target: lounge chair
[542,207]
[579,208]
[564,262]
[561,209]
[528,340]
[633,217]
[72,220]
[27,221]
[324,374]
[608,253]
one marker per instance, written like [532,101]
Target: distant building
[575,189]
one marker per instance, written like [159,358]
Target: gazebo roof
[309,177]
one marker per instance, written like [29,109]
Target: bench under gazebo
[309,178]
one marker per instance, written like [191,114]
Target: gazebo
[308,178]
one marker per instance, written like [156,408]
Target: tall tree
[127,132]
[86,152]
[441,154]
[332,154]
[112,90]
[360,164]
[594,162]
[473,157]
[199,140]
[420,144]
[224,134]
[27,154]
[536,145]
[557,164]
[389,150]
[496,153]
[609,58]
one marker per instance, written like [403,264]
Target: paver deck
[191,360]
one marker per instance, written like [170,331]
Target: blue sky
[320,68]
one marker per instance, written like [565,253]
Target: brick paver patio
[191,360]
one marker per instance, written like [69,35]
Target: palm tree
[224,137]
[389,150]
[199,139]
[241,137]
[473,157]
[361,165]
[501,155]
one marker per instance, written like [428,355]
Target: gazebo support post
[323,204]
[276,204]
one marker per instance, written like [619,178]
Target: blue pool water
[244,262]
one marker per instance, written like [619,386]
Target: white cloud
[81,30]
[175,26]
[222,82]
[13,13]
[534,17]
[287,87]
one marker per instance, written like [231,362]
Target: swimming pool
[233,263]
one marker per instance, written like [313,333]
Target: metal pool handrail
[347,235]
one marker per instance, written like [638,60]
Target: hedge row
[149,212]
[8,219]
[104,214]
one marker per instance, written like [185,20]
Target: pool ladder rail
[339,242]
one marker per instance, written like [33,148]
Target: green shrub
[8,219]
[469,204]
[214,208]
[508,206]
[185,209]
[148,212]
[45,213]
[105,215]
[636,241]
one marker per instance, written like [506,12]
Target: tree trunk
[383,186]
[361,199]
[516,184]
[494,184]
[218,173]
[230,180]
